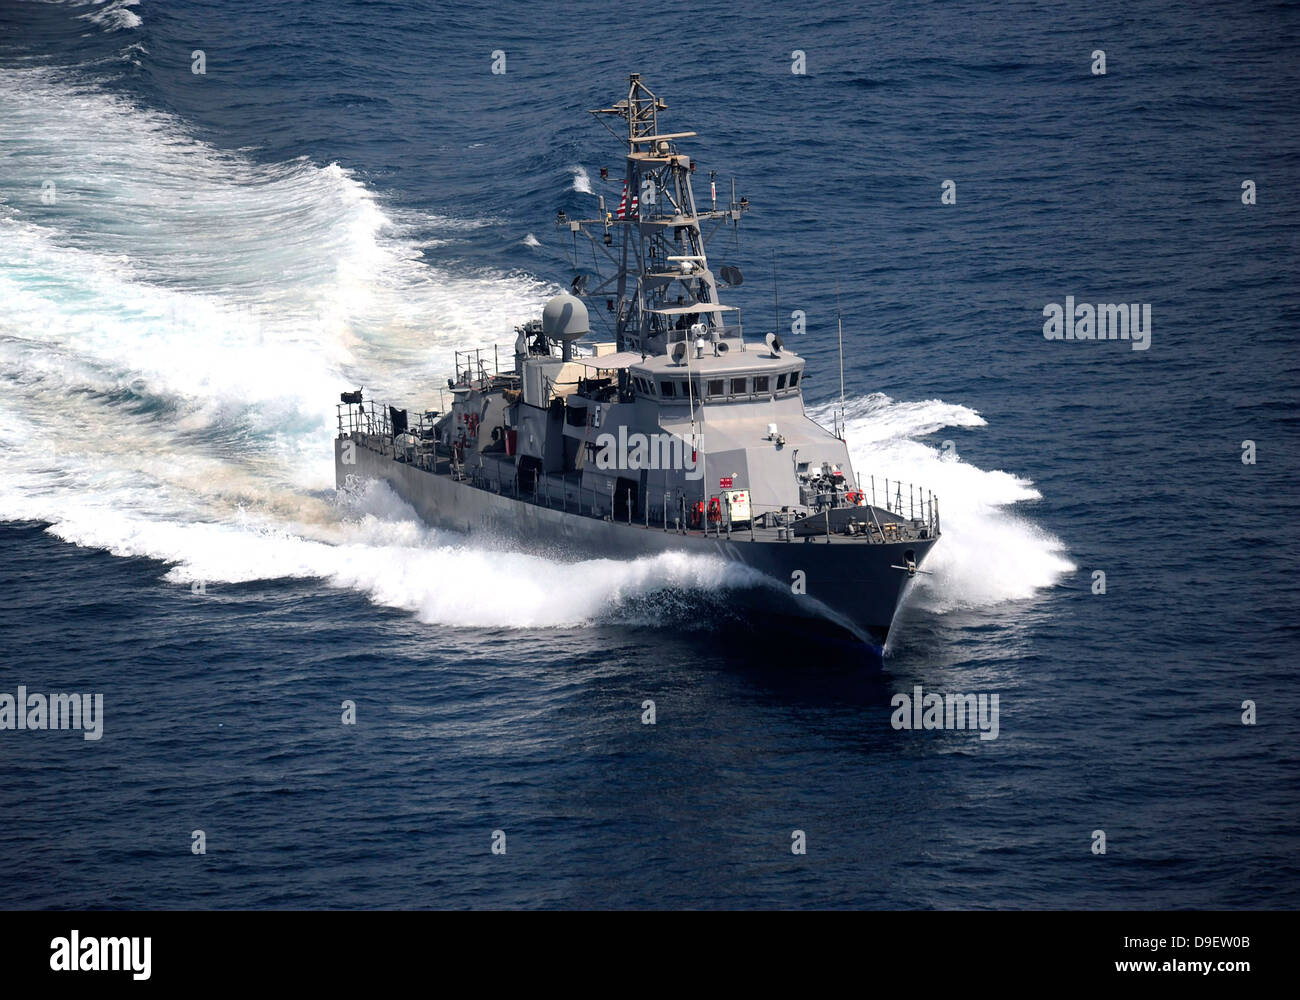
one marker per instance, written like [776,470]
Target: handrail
[917,510]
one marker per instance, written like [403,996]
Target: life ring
[715,510]
[854,497]
[697,514]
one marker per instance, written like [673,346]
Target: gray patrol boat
[678,435]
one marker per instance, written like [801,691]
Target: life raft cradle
[714,513]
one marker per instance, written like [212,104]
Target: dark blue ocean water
[193,265]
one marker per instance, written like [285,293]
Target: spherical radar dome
[565,317]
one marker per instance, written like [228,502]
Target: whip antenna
[839,324]
[776,298]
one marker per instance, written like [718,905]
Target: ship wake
[168,388]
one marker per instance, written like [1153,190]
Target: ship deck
[496,472]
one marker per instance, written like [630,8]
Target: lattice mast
[655,241]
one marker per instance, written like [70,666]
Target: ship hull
[845,591]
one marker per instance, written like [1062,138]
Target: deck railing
[894,512]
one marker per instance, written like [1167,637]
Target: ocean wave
[581,180]
[111,15]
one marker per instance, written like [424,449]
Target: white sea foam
[382,550]
[112,14]
[581,180]
[231,288]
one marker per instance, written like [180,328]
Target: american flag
[622,203]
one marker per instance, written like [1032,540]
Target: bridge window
[760,383]
[717,387]
[794,379]
[780,382]
[666,388]
[738,386]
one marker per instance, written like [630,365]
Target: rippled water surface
[193,265]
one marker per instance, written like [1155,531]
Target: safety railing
[882,510]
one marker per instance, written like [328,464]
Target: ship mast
[660,284]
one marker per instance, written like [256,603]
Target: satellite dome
[565,317]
